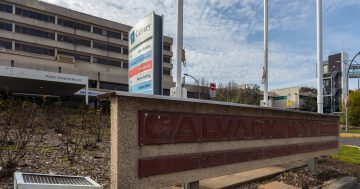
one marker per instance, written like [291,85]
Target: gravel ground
[51,159]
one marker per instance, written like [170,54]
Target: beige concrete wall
[126,151]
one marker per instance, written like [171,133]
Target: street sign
[145,56]
[212,90]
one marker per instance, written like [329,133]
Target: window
[108,33]
[101,46]
[125,64]
[167,59]
[74,25]
[109,62]
[113,86]
[280,97]
[166,92]
[114,34]
[114,48]
[303,97]
[5,44]
[34,32]
[35,49]
[107,47]
[92,84]
[35,15]
[5,26]
[126,37]
[167,47]
[73,40]
[5,8]
[98,30]
[125,51]
[78,57]
[166,71]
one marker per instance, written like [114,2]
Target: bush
[21,130]
[353,108]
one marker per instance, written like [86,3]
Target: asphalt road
[350,141]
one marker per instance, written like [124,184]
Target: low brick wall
[163,141]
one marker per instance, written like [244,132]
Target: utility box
[43,181]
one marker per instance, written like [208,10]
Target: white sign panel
[141,61]
[82,92]
[42,75]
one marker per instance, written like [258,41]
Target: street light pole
[179,46]
[319,56]
[197,82]
[265,76]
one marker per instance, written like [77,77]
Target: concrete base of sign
[146,135]
[313,164]
[192,185]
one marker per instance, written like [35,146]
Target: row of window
[71,24]
[74,25]
[108,62]
[74,40]
[107,33]
[78,57]
[5,26]
[34,32]
[62,21]
[5,44]
[34,15]
[63,38]
[34,49]
[5,8]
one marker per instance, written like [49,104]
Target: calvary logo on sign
[132,37]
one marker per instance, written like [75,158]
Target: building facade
[39,36]
[335,82]
[297,98]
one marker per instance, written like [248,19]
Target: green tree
[354,109]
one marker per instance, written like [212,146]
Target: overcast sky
[224,38]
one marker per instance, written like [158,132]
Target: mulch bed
[50,158]
[328,170]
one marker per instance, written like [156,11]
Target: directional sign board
[145,56]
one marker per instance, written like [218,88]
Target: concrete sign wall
[145,56]
[158,141]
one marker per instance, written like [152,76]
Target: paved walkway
[245,177]
[248,176]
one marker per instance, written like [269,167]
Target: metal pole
[86,94]
[197,82]
[319,57]
[347,116]
[179,46]
[266,81]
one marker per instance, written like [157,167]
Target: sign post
[346,98]
[145,56]
[212,90]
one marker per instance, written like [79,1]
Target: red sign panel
[212,86]
[171,164]
[171,128]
